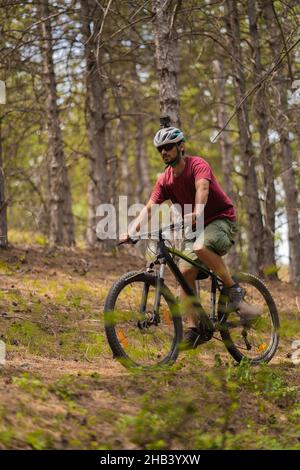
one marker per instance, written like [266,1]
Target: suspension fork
[159,286]
[154,318]
[144,298]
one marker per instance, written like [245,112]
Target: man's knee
[198,247]
[190,273]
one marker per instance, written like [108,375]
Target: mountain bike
[143,321]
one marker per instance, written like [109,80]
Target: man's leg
[218,239]
[215,263]
[210,248]
[189,311]
[195,331]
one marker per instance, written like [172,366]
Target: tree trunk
[167,57]
[226,150]
[3,203]
[142,162]
[255,224]
[287,175]
[126,187]
[125,183]
[266,157]
[91,15]
[61,218]
[143,189]
[68,221]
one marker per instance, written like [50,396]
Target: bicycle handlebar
[130,241]
[134,240]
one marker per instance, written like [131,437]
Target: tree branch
[257,86]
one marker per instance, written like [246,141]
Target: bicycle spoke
[142,344]
[256,340]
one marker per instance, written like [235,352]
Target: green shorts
[218,236]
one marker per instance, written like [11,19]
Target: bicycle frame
[263,338]
[164,258]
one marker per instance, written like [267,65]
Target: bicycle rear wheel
[135,336]
[257,341]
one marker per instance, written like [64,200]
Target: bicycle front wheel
[257,341]
[136,336]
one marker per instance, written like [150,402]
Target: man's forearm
[200,202]
[135,225]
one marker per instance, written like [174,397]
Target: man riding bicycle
[190,180]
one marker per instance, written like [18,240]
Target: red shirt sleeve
[202,170]
[159,194]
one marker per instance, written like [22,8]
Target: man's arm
[202,191]
[140,220]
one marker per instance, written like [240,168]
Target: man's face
[169,152]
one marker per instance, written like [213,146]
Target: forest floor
[61,389]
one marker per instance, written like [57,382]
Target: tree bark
[143,189]
[68,220]
[287,175]
[225,149]
[266,157]
[255,224]
[3,203]
[61,230]
[125,174]
[91,15]
[167,57]
[125,183]
[142,162]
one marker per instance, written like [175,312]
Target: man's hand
[124,238]
[136,224]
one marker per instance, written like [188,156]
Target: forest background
[87,82]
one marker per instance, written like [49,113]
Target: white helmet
[168,135]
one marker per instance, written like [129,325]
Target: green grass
[45,341]
[181,408]
[23,237]
[31,384]
[39,440]
[290,327]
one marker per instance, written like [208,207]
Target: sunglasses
[166,147]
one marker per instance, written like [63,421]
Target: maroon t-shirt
[181,190]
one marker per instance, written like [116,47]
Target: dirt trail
[59,393]
[21,267]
